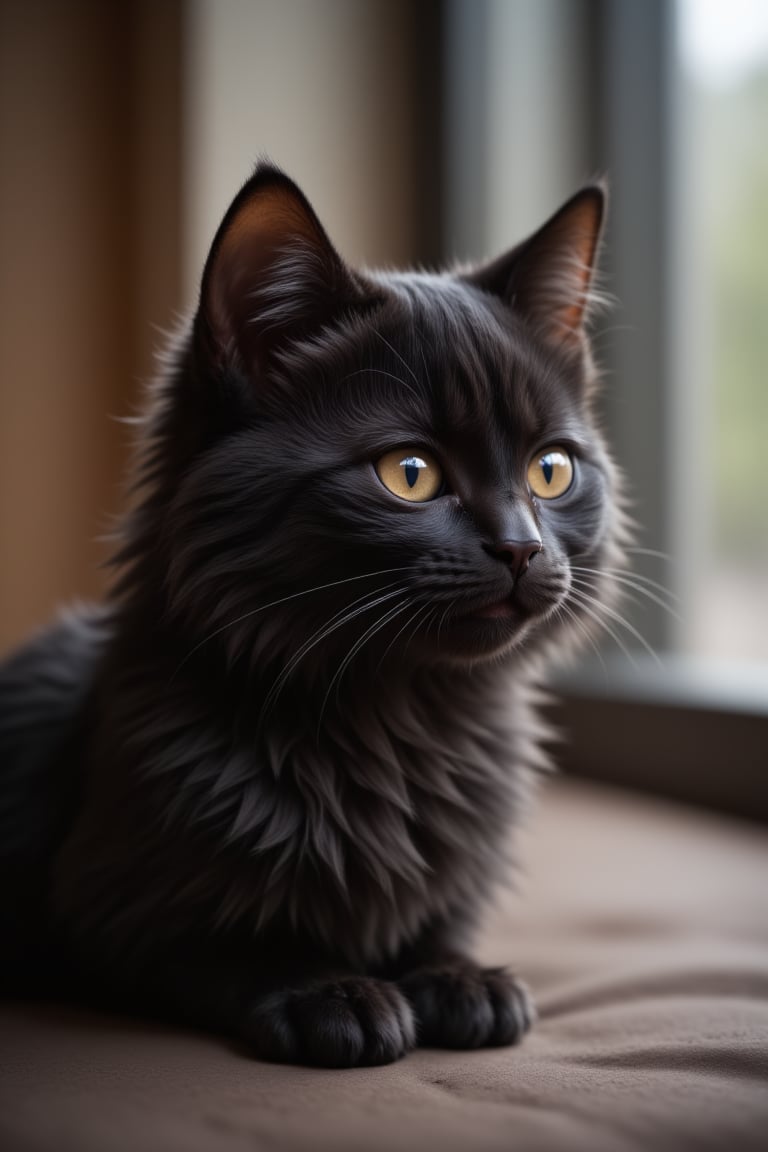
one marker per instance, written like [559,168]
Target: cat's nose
[516,554]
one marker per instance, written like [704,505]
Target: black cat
[267,787]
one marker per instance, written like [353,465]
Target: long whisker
[578,623]
[629,582]
[421,618]
[627,574]
[395,352]
[635,596]
[379,372]
[638,591]
[338,620]
[421,615]
[441,621]
[593,615]
[421,353]
[275,603]
[585,591]
[396,637]
[369,633]
[651,552]
[609,611]
[583,597]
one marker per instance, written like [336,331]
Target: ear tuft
[549,278]
[272,274]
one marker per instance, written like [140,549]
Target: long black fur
[267,787]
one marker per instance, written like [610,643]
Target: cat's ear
[272,274]
[549,278]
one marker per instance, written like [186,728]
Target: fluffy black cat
[267,787]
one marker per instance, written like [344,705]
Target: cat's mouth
[507,615]
[524,604]
[502,608]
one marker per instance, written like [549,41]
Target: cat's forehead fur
[486,361]
[441,361]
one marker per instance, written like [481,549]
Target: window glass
[722,225]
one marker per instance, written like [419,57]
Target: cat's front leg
[458,1004]
[346,1022]
[291,1013]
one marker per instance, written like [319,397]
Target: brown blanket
[643,930]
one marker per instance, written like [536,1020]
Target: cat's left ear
[548,279]
[272,276]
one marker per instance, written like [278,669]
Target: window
[722,211]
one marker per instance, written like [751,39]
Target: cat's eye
[411,474]
[550,473]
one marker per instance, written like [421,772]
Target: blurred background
[422,132]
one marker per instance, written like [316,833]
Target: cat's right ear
[548,280]
[272,276]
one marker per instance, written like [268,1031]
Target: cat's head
[351,464]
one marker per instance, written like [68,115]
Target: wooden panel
[89,134]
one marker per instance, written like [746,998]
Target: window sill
[690,731]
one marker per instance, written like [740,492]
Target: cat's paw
[337,1024]
[460,1005]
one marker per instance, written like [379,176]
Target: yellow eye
[550,473]
[411,474]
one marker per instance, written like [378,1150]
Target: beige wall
[336,93]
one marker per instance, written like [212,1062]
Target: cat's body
[268,787]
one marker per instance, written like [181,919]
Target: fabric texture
[642,928]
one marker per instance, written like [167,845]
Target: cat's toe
[339,1024]
[464,1006]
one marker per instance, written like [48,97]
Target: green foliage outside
[734,135]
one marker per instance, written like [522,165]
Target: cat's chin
[498,610]
[484,632]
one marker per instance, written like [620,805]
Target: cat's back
[44,689]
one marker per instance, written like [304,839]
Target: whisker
[583,597]
[379,372]
[446,612]
[369,633]
[590,612]
[582,627]
[396,637]
[338,620]
[275,603]
[629,582]
[417,623]
[423,357]
[635,595]
[395,352]
[651,552]
[627,573]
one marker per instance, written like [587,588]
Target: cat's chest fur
[395,812]
[352,833]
